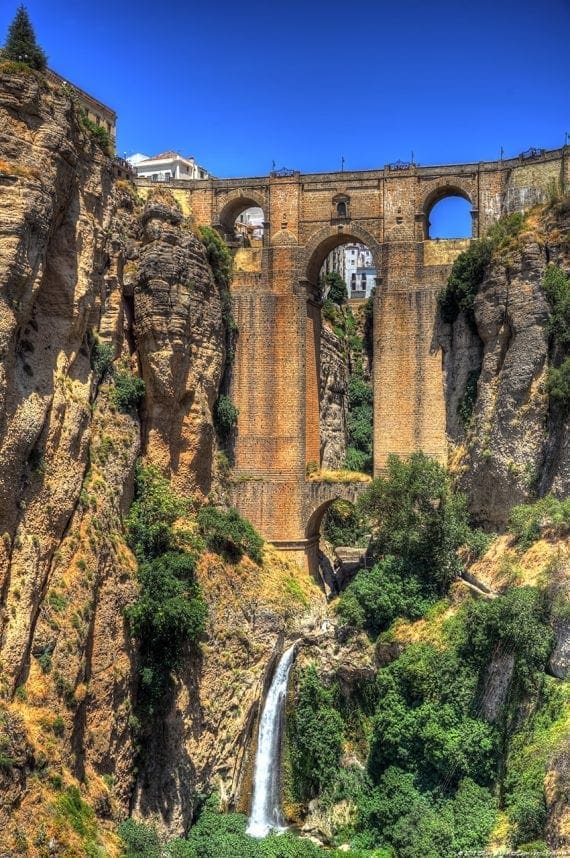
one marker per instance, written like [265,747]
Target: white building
[359,272]
[250,223]
[166,167]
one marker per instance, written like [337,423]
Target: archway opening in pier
[242,223]
[342,276]
[341,538]
[449,216]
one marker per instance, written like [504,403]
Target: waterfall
[266,804]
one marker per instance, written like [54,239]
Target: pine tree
[21,45]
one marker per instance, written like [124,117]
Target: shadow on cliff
[167,781]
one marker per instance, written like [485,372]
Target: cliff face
[88,277]
[333,392]
[513,444]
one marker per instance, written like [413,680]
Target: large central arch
[328,238]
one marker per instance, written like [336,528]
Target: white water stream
[266,804]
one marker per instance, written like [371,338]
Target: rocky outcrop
[333,393]
[93,283]
[513,444]
[180,339]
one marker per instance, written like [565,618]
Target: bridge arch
[442,192]
[235,204]
[322,242]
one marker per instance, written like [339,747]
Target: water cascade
[266,804]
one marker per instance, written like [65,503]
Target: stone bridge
[275,294]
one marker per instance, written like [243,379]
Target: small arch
[455,204]
[326,240]
[235,207]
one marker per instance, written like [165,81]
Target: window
[341,209]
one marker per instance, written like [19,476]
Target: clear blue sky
[240,85]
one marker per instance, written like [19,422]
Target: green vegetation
[98,132]
[101,358]
[220,261]
[549,514]
[466,404]
[228,534]
[128,391]
[558,385]
[71,808]
[556,285]
[343,525]
[379,595]
[469,269]
[315,733]
[170,611]
[21,45]
[225,416]
[336,288]
[419,518]
[218,835]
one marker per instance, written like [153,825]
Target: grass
[343,476]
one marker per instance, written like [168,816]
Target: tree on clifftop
[21,45]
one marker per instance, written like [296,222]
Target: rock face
[82,261]
[333,393]
[513,444]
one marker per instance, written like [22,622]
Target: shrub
[516,623]
[418,518]
[357,460]
[336,288]
[466,404]
[359,391]
[343,526]
[128,392]
[528,520]
[378,595]
[140,840]
[101,358]
[228,534]
[225,415]
[463,284]
[556,284]
[152,514]
[315,735]
[558,384]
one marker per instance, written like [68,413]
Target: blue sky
[240,85]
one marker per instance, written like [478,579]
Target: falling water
[266,806]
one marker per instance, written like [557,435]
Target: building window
[341,209]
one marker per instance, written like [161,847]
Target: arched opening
[242,223]
[341,543]
[448,216]
[340,413]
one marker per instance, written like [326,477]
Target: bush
[152,514]
[140,840]
[466,404]
[463,284]
[356,460]
[343,526]
[228,534]
[359,391]
[315,735]
[558,385]
[101,358]
[170,611]
[378,595]
[516,623]
[128,392]
[225,415]
[418,518]
[527,521]
[556,284]
[336,288]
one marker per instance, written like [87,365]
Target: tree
[21,45]
[337,288]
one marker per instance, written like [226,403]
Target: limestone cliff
[333,392]
[94,285]
[514,444]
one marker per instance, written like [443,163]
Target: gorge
[144,620]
